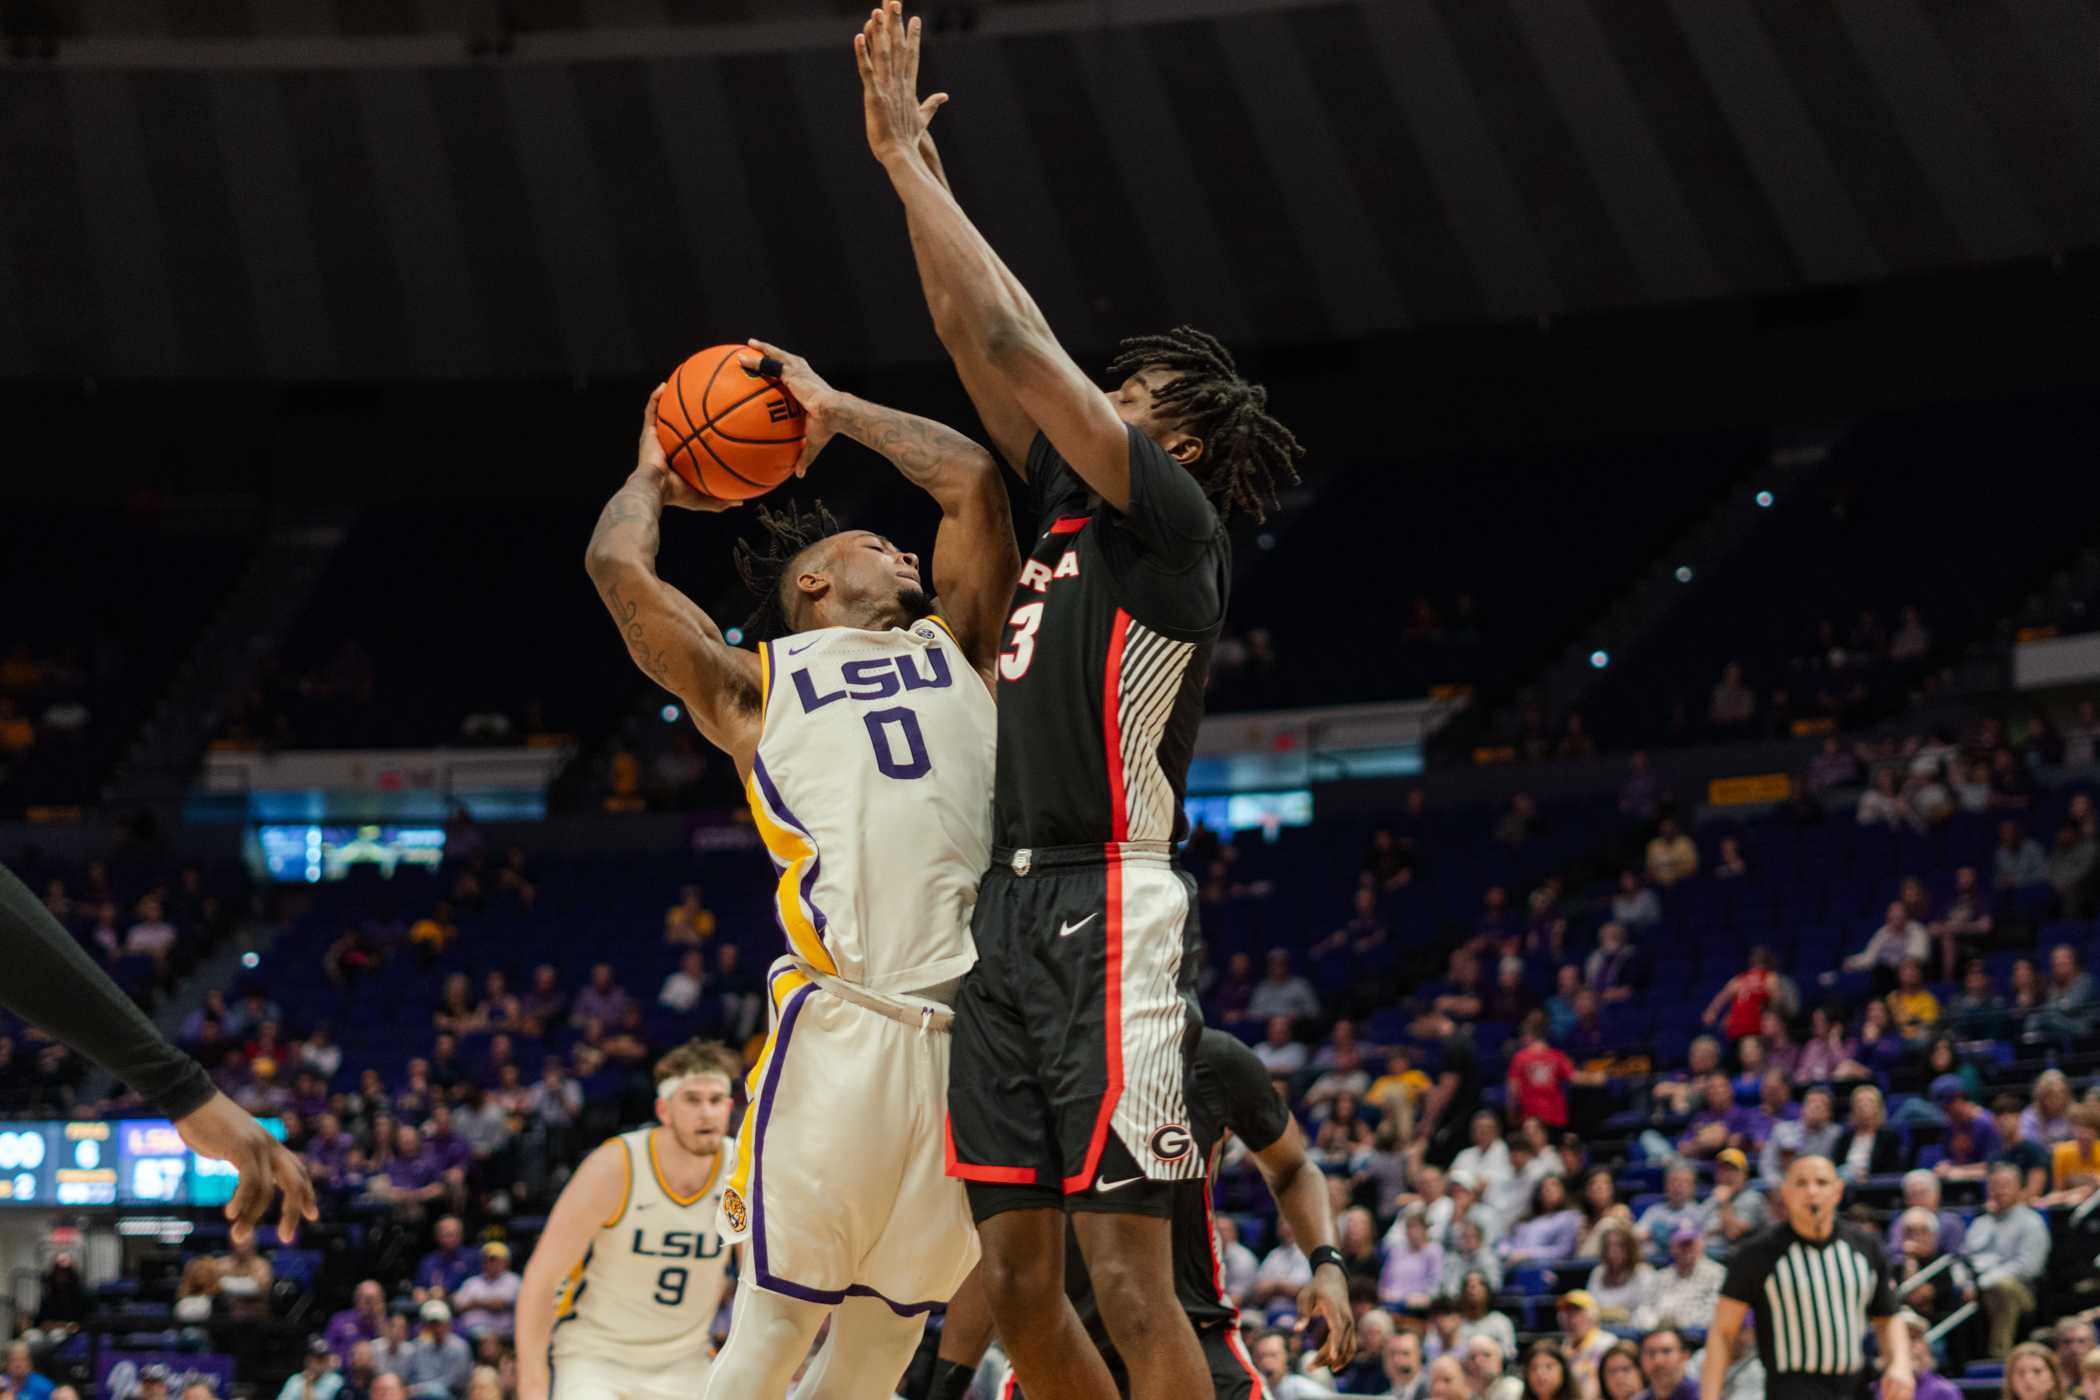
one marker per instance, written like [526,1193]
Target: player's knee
[1019,1284]
[1134,1303]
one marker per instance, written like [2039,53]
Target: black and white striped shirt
[1813,1302]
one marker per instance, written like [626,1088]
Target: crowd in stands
[1553,1061]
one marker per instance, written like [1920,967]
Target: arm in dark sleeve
[1883,1303]
[1747,1268]
[1168,512]
[53,984]
[1248,1099]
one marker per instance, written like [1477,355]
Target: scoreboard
[127,1162]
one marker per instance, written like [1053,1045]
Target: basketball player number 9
[670,1286]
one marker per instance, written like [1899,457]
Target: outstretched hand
[650,458]
[225,1132]
[887,51]
[809,390]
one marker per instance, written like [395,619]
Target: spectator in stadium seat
[330,1152]
[1916,1246]
[1664,1359]
[1635,905]
[488,1300]
[2067,1008]
[1869,1147]
[681,989]
[1599,1203]
[1552,1230]
[1682,1090]
[1833,767]
[1560,1007]
[2018,863]
[1883,803]
[2008,1247]
[2071,865]
[1282,992]
[19,1379]
[448,1265]
[1734,1208]
[152,936]
[1977,1012]
[1612,971]
[544,1005]
[1619,1374]
[1584,1341]
[1718,1123]
[1466,1204]
[1622,1277]
[1912,1006]
[1468,1252]
[1641,795]
[1487,1363]
[1672,855]
[1677,1207]
[689,923]
[1899,939]
[2074,1165]
[363,1321]
[1456,1092]
[1344,1138]
[1921,1191]
[1744,997]
[2075,1343]
[414,1178]
[434,934]
[320,1054]
[1682,1293]
[604,1000]
[1284,1270]
[1272,1357]
[1966,925]
[1486,1156]
[1414,1268]
[317,1379]
[1539,1076]
[1733,704]
[440,1362]
[1235,1258]
[2047,1120]
[391,1352]
[1278,1052]
[1396,1092]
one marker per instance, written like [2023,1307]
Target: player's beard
[914,603]
[699,1144]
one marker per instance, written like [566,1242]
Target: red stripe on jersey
[1217,1260]
[1238,1349]
[1112,729]
[1008,1391]
[965,1171]
[1112,1019]
[1070,525]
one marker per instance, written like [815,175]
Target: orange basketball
[730,433]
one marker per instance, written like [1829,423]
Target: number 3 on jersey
[1013,662]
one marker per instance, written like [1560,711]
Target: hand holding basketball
[651,458]
[809,390]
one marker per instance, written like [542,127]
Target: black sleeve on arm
[1168,511]
[1247,1097]
[1747,1269]
[53,984]
[1049,481]
[1883,1303]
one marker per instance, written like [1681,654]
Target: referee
[1816,1285]
[52,984]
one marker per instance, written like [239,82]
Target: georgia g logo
[1171,1143]
[733,1211]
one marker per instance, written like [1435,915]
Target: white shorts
[593,1378]
[841,1181]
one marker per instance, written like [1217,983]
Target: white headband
[665,1088]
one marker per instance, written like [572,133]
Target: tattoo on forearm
[652,658]
[921,448]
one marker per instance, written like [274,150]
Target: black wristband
[1326,1254]
[951,1380]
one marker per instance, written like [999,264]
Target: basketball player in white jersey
[863,728]
[629,1271]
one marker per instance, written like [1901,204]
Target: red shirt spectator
[1539,1076]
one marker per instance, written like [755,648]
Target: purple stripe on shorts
[766,1278]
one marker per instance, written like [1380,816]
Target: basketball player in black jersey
[1074,1031]
[1229,1091]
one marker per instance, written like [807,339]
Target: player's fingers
[931,105]
[649,409]
[251,1196]
[860,56]
[299,1201]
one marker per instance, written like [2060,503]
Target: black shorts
[1232,1373]
[1074,1034]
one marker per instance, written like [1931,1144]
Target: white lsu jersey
[872,789]
[645,1295]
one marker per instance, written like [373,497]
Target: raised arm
[676,644]
[975,560]
[1018,375]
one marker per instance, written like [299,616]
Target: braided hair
[764,567]
[1252,456]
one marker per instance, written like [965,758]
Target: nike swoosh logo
[1067,930]
[797,651]
[1104,1187]
[643,1205]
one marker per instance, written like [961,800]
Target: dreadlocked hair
[763,567]
[1252,456]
